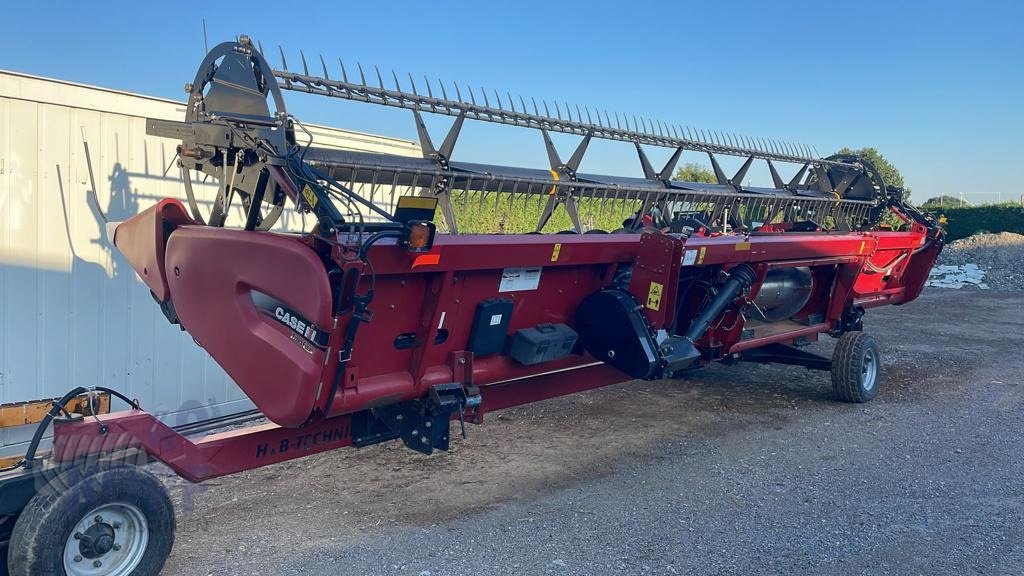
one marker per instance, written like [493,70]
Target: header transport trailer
[374,326]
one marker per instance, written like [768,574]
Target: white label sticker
[440,322]
[495,319]
[689,257]
[515,279]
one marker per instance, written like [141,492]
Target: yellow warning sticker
[862,243]
[308,194]
[742,246]
[555,251]
[700,257]
[654,296]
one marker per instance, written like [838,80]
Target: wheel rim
[108,541]
[869,370]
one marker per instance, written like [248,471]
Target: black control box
[490,326]
[542,343]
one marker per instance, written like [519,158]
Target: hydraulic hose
[740,278]
[57,408]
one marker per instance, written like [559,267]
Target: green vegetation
[694,172]
[943,202]
[476,213]
[963,222]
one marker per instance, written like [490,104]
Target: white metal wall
[72,312]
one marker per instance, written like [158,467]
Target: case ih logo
[306,332]
[296,323]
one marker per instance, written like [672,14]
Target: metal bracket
[422,425]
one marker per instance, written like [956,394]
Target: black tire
[48,523]
[856,367]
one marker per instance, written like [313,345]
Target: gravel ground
[1000,256]
[738,470]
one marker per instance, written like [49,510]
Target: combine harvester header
[373,326]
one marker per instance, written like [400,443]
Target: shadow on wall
[92,322]
[123,203]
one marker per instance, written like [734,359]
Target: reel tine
[305,68]
[324,66]
[413,84]
[511,103]
[284,62]
[483,92]
[394,185]
[430,91]
[380,79]
[362,76]
[472,97]
[344,73]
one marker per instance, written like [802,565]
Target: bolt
[78,558]
[188,88]
[117,547]
[423,439]
[244,40]
[427,424]
[117,525]
[97,564]
[78,535]
[98,518]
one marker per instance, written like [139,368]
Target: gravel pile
[984,261]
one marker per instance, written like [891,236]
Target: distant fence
[967,199]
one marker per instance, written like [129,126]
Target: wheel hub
[96,541]
[108,541]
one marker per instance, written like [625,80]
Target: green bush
[963,222]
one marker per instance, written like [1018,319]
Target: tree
[694,172]
[944,201]
[889,172]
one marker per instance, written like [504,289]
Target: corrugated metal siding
[72,312]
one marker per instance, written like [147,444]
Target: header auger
[372,327]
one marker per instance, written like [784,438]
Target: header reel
[231,134]
[237,130]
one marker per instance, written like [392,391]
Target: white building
[72,312]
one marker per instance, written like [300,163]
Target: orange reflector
[426,260]
[419,236]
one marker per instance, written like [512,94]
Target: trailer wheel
[95,520]
[856,367]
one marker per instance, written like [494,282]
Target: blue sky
[936,86]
